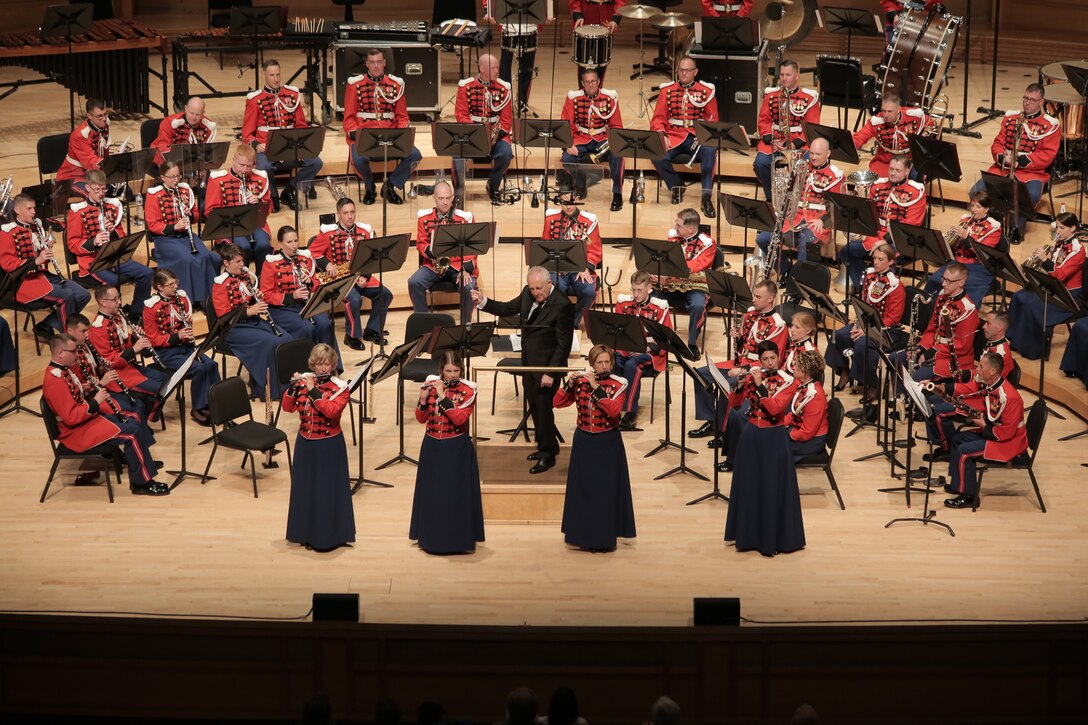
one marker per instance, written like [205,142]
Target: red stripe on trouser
[350,317]
[139,454]
[635,389]
[62,309]
[941,417]
[963,464]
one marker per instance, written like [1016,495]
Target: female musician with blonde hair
[598,506]
[170,210]
[806,420]
[320,515]
[447,511]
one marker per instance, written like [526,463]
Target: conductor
[547,320]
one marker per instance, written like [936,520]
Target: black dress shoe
[628,422]
[370,195]
[151,488]
[90,478]
[580,192]
[543,464]
[617,202]
[963,501]
[694,350]
[634,195]
[354,343]
[44,332]
[724,466]
[312,193]
[935,457]
[717,441]
[493,194]
[535,456]
[200,417]
[289,197]
[389,193]
[708,208]
[275,203]
[702,431]
[677,195]
[375,337]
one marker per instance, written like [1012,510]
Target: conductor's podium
[512,495]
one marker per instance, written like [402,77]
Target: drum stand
[643,99]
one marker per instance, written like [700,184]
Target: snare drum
[519,38]
[592,46]
[1065,104]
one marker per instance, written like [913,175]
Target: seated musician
[239,186]
[332,251]
[170,211]
[485,99]
[650,362]
[897,199]
[1064,262]
[287,281]
[123,345]
[1075,358]
[679,105]
[891,129]
[94,223]
[727,8]
[782,115]
[376,100]
[252,339]
[462,270]
[25,242]
[691,292]
[93,370]
[570,222]
[1033,136]
[976,225]
[811,223]
[998,432]
[89,144]
[780,386]
[590,112]
[851,353]
[995,328]
[947,346]
[760,323]
[802,337]
[189,126]
[806,420]
[273,107]
[168,322]
[87,421]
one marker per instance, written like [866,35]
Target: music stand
[619,332]
[839,140]
[521,13]
[454,140]
[461,240]
[329,295]
[672,343]
[1051,291]
[255,21]
[114,253]
[630,143]
[65,21]
[177,382]
[660,257]
[852,215]
[9,286]
[560,256]
[541,132]
[127,168]
[228,222]
[731,293]
[380,255]
[468,341]
[915,243]
[850,21]
[749,213]
[295,144]
[721,134]
[50,199]
[358,383]
[1000,264]
[718,386]
[730,35]
[400,356]
[935,159]
[395,143]
[1009,196]
[870,322]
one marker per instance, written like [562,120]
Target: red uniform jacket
[1068,257]
[679,107]
[1001,347]
[818,182]
[1039,144]
[163,209]
[784,112]
[225,189]
[755,327]
[175,130]
[792,348]
[448,417]
[953,330]
[319,410]
[374,103]
[165,317]
[337,245]
[268,109]
[892,139]
[769,404]
[596,13]
[598,410]
[699,250]
[84,222]
[81,425]
[727,8]
[1003,409]
[590,118]
[426,222]
[231,291]
[807,417]
[653,308]
[903,202]
[16,249]
[480,102]
[88,147]
[113,338]
[885,292]
[583,225]
[893,7]
[282,275]
[986,230]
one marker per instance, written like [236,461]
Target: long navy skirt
[598,506]
[764,503]
[254,343]
[1075,359]
[447,511]
[196,272]
[1026,313]
[320,513]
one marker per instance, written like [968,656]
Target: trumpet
[43,239]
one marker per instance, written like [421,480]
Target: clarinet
[255,290]
[45,238]
[103,364]
[175,194]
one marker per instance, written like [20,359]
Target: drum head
[592,31]
[1054,73]
[782,22]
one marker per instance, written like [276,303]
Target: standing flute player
[547,319]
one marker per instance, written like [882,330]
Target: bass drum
[921,52]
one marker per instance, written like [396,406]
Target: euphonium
[600,155]
[441,266]
[335,189]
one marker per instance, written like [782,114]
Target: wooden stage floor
[215,550]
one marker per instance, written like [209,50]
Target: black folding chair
[1035,425]
[105,453]
[823,460]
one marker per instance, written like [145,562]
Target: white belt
[591,131]
[726,8]
[681,122]
[752,355]
[266,129]
[375,116]
[73,162]
[943,340]
[484,119]
[814,207]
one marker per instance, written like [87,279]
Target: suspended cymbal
[673,20]
[639,12]
[785,22]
